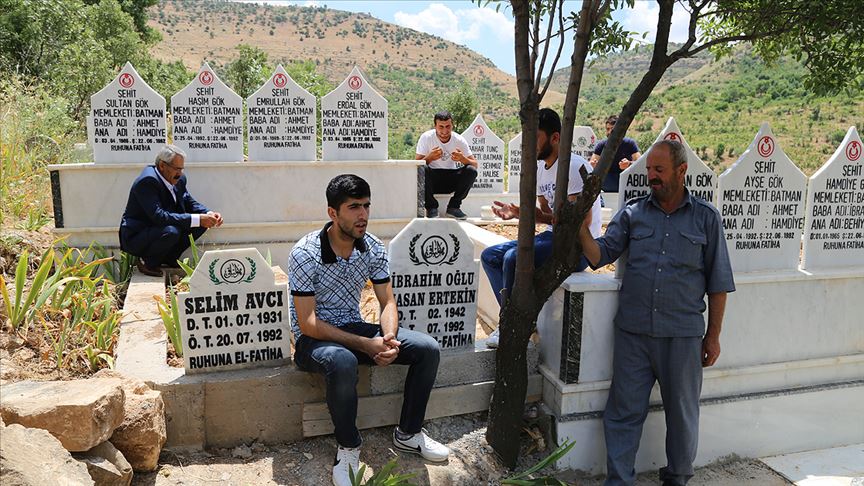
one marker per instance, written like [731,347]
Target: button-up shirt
[315,269]
[674,260]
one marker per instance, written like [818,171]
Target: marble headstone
[354,121]
[834,213]
[435,278]
[583,142]
[281,120]
[234,315]
[699,179]
[761,200]
[514,151]
[208,119]
[488,149]
[127,120]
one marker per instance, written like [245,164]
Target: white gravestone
[281,120]
[583,142]
[761,200]
[514,151]
[834,214]
[488,149]
[354,121]
[699,179]
[435,278]
[127,120]
[208,119]
[234,316]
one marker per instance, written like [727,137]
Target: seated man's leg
[183,244]
[422,354]
[155,245]
[492,259]
[431,183]
[465,177]
[338,364]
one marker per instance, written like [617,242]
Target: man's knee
[341,364]
[171,234]
[489,256]
[469,172]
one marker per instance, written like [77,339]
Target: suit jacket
[150,204]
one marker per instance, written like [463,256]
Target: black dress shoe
[144,269]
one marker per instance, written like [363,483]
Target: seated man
[450,166]
[499,261]
[627,153]
[327,270]
[161,214]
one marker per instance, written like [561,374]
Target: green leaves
[524,479]
[170,315]
[384,476]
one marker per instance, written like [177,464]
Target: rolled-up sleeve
[718,269]
[616,239]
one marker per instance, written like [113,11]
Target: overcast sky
[483,29]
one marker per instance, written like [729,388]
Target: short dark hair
[442,116]
[548,121]
[613,119]
[676,151]
[344,187]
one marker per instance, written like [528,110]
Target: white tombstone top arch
[761,200]
[127,120]
[281,120]
[514,157]
[488,148]
[834,219]
[700,180]
[584,141]
[208,119]
[354,121]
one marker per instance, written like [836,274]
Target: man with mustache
[677,255]
[499,261]
[327,270]
[161,214]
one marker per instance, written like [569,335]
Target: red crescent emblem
[478,130]
[206,78]
[126,80]
[673,136]
[354,82]
[765,146]
[853,150]
[592,139]
[280,80]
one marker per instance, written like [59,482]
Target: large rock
[142,434]
[80,414]
[33,457]
[106,465]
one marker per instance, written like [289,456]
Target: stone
[106,465]
[234,315]
[834,221]
[281,120]
[583,143]
[242,452]
[143,432]
[208,119]
[761,200]
[354,121]
[514,157]
[435,279]
[33,457]
[488,148]
[80,414]
[126,123]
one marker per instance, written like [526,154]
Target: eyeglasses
[178,169]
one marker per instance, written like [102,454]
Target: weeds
[524,478]
[171,319]
[384,476]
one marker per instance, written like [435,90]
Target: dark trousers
[637,362]
[444,181]
[338,364]
[159,244]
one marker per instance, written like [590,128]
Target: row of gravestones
[766,203]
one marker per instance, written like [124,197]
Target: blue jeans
[338,364]
[499,262]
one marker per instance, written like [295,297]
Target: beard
[544,151]
[350,230]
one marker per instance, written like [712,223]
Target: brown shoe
[144,269]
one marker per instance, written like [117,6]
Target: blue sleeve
[599,147]
[379,271]
[616,239]
[301,272]
[718,269]
[146,194]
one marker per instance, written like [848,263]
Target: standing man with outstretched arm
[677,255]
[327,270]
[450,166]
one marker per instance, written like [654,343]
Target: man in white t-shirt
[450,166]
[499,261]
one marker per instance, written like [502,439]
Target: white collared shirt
[196,218]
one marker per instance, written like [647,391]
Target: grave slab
[488,148]
[514,157]
[281,120]
[354,121]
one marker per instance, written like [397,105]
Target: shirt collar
[327,253]
[164,180]
[686,200]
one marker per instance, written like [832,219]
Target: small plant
[383,477]
[524,478]
[171,319]
[36,219]
[189,266]
[20,310]
[117,269]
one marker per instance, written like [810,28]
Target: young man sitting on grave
[161,214]
[327,270]
[499,261]
[450,166]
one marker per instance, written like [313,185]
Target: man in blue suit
[161,214]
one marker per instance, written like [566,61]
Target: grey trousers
[639,360]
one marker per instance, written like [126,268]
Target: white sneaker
[492,340]
[422,444]
[345,458]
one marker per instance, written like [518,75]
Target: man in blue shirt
[677,255]
[627,153]
[327,269]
